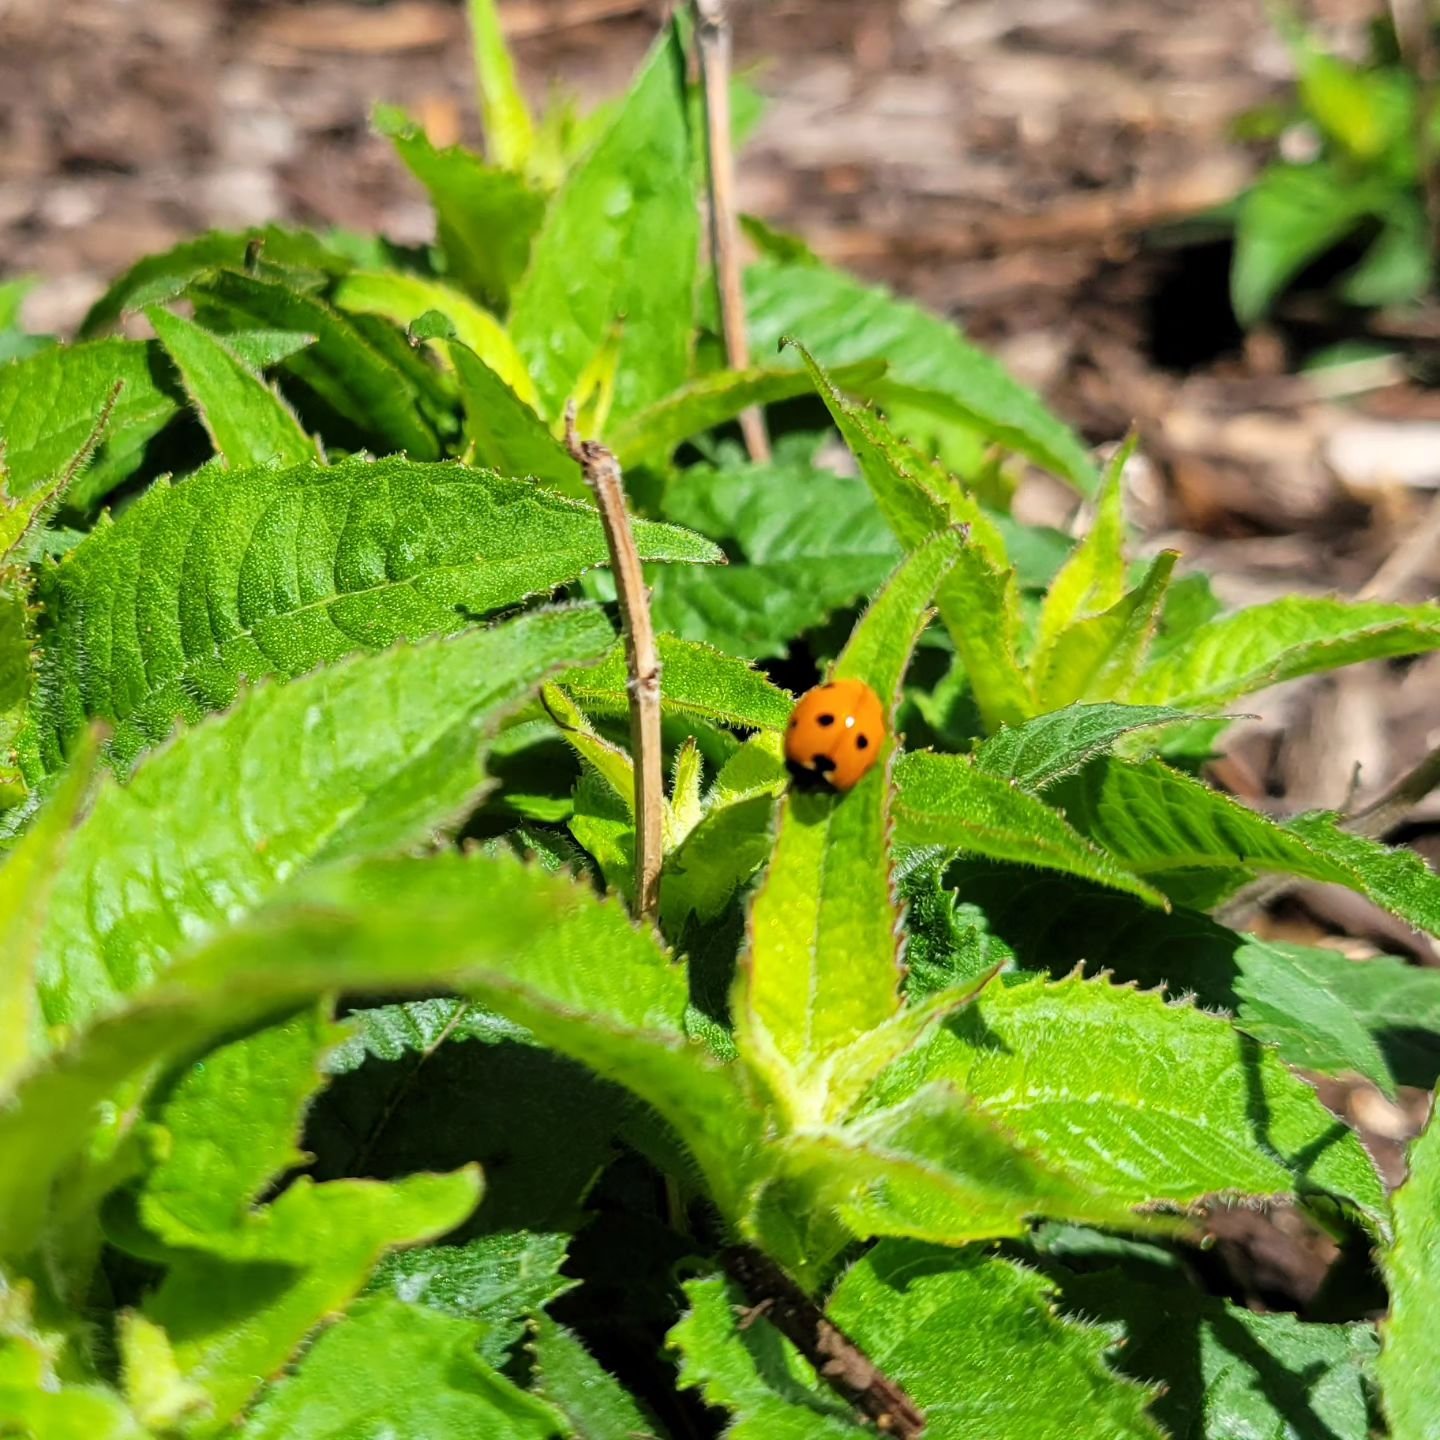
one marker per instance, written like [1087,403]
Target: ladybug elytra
[835,734]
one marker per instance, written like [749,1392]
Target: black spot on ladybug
[824,719]
[862,742]
[822,763]
[793,723]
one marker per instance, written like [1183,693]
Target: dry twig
[772,1295]
[712,35]
[602,474]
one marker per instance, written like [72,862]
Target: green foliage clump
[340,1091]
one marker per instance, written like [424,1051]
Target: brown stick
[712,35]
[602,474]
[772,1295]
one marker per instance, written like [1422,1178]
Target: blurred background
[1066,178]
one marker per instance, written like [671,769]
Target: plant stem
[712,35]
[772,1295]
[602,475]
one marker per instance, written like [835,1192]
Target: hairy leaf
[931,366]
[1283,640]
[1378,1018]
[626,220]
[247,421]
[403,298]
[589,1397]
[1176,1105]
[998,1322]
[50,401]
[487,217]
[650,437]
[497,1281]
[978,600]
[1409,1381]
[404,1372]
[695,680]
[276,571]
[811,543]
[1098,657]
[231,1126]
[504,432]
[1050,747]
[535,947]
[161,277]
[370,755]
[1093,577]
[509,131]
[1195,843]
[345,366]
[1225,1370]
[949,802]
[822,965]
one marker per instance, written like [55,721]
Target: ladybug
[834,735]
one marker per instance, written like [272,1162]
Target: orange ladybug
[834,735]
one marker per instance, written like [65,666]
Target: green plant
[1375,130]
[923,1063]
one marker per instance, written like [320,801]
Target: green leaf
[344,367]
[592,1401]
[277,571]
[1176,1105]
[1409,1382]
[497,1281]
[696,681]
[1293,214]
[509,131]
[651,436]
[404,1372]
[931,366]
[949,802]
[1283,640]
[1197,844]
[1395,269]
[402,297]
[487,217]
[27,879]
[247,421]
[1098,658]
[625,220]
[158,278]
[35,1402]
[1050,747]
[374,754]
[232,1319]
[978,599]
[17,676]
[50,402]
[1093,578]
[504,432]
[231,1124]
[998,1320]
[1225,1370]
[732,840]
[812,543]
[823,967]
[1378,1018]
[535,947]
